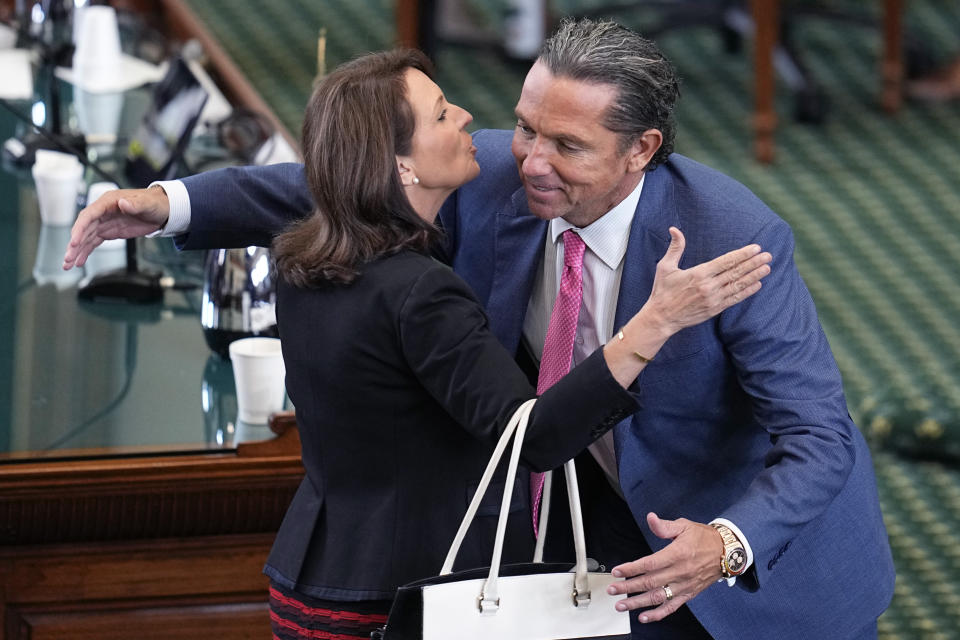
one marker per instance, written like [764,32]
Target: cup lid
[48,161]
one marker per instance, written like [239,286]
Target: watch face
[736,560]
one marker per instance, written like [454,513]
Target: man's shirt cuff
[178,221]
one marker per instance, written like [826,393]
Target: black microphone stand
[51,40]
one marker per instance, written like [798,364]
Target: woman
[400,389]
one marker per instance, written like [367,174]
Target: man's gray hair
[604,52]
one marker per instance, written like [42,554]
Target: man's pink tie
[558,346]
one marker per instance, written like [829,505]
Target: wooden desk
[127,509]
[149,546]
[766,18]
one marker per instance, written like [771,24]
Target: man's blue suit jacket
[743,417]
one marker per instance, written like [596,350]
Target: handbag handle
[576,516]
[489,600]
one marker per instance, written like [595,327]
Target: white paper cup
[57,177]
[258,373]
[100,260]
[97,189]
[94,191]
[48,265]
[98,115]
[96,58]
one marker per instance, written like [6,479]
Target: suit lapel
[649,239]
[518,240]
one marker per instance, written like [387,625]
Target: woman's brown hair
[356,123]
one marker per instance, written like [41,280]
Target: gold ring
[667,591]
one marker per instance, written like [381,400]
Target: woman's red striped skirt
[294,616]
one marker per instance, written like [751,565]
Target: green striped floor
[874,201]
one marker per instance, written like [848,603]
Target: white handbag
[534,601]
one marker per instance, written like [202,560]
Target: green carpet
[874,201]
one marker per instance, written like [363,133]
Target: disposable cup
[98,115]
[47,267]
[258,372]
[97,55]
[58,177]
[104,258]
[94,191]
[97,189]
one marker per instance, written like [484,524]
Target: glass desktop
[98,379]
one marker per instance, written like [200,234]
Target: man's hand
[123,213]
[688,565]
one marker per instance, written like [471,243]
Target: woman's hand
[124,213]
[682,298]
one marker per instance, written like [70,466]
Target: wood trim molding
[145,497]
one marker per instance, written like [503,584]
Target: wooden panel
[239,621]
[177,588]
[94,555]
[126,515]
[142,569]
[150,497]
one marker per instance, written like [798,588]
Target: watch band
[734,560]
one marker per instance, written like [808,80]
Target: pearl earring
[416,180]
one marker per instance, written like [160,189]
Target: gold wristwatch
[734,561]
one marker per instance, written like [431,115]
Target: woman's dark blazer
[401,392]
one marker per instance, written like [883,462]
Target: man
[743,422]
